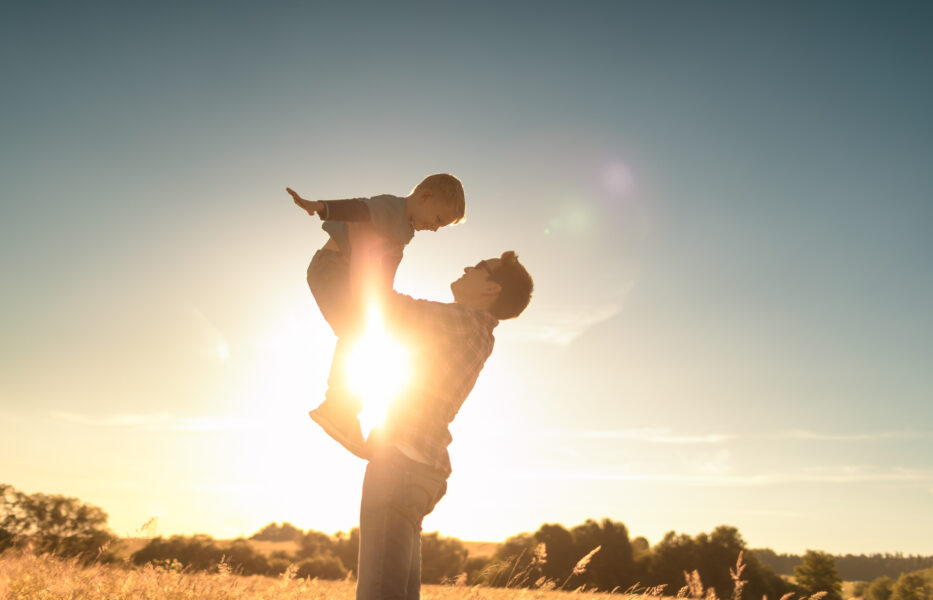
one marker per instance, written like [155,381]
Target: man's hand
[309,206]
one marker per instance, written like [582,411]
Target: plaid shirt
[448,345]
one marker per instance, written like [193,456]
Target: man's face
[430,213]
[476,283]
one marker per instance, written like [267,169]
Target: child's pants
[329,280]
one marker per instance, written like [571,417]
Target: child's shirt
[388,215]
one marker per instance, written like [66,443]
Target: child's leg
[338,387]
[329,282]
[328,279]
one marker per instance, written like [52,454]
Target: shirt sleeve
[355,210]
[442,319]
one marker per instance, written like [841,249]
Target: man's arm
[333,210]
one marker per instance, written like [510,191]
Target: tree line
[851,567]
[597,555]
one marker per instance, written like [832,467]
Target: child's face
[430,214]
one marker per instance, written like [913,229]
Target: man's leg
[396,497]
[387,537]
[414,571]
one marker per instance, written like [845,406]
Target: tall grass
[25,576]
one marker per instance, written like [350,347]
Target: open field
[24,576]
[27,577]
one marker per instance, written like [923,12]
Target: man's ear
[424,196]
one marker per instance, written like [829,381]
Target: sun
[377,369]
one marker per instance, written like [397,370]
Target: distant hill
[481,549]
[851,567]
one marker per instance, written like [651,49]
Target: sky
[725,206]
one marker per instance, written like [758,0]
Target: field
[27,577]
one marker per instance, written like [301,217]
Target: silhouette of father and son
[408,463]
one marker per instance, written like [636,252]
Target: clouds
[660,435]
[152,421]
[802,434]
[816,475]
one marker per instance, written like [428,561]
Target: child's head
[436,202]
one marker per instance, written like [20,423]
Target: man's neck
[409,204]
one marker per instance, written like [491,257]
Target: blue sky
[725,207]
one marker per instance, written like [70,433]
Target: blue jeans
[397,494]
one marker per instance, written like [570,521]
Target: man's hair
[516,285]
[447,188]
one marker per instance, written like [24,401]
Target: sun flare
[377,369]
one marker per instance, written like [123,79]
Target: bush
[321,567]
[881,588]
[244,559]
[273,532]
[442,559]
[911,586]
[55,524]
[818,573]
[195,553]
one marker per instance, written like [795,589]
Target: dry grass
[24,576]
[29,577]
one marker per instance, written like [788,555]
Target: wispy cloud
[658,436]
[156,421]
[787,514]
[663,435]
[828,477]
[803,434]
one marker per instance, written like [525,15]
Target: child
[436,202]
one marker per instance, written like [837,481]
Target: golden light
[377,369]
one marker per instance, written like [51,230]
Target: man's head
[501,286]
[436,202]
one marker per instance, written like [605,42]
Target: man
[409,464]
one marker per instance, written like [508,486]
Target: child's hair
[516,285]
[448,188]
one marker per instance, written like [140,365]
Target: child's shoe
[343,426]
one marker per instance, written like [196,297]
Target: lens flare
[377,370]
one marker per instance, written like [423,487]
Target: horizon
[725,209]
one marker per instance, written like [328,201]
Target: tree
[441,558]
[911,586]
[315,543]
[510,562]
[614,565]
[55,524]
[881,588]
[860,589]
[716,554]
[244,559]
[712,556]
[818,573]
[197,552]
[670,558]
[561,553]
[347,548]
[273,532]
[475,567]
[321,567]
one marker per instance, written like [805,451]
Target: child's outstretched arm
[333,210]
[312,207]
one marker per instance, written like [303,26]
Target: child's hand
[309,206]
